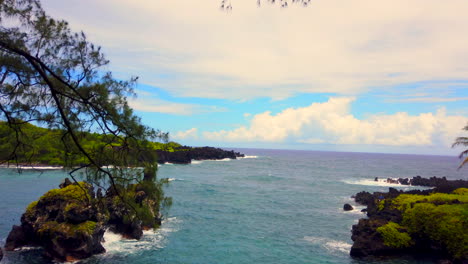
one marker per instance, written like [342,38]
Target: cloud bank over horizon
[331,122]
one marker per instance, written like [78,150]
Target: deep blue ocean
[274,206]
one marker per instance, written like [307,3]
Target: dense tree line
[42,146]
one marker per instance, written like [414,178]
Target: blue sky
[358,75]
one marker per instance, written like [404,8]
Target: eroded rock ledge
[69,222]
[415,222]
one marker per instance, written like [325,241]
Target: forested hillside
[43,146]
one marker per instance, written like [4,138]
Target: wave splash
[152,239]
[248,157]
[330,244]
[379,182]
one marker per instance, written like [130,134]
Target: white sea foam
[115,244]
[357,210]
[32,167]
[26,248]
[171,179]
[226,159]
[168,163]
[248,157]
[380,182]
[329,244]
[195,162]
[335,245]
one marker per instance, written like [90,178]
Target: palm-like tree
[464,142]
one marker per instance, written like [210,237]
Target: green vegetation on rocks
[394,236]
[445,225]
[73,192]
[432,221]
[44,147]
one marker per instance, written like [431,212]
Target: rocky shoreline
[181,155]
[426,182]
[415,222]
[185,155]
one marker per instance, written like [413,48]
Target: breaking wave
[329,244]
[379,182]
[152,239]
[248,157]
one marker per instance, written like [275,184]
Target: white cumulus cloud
[332,122]
[191,133]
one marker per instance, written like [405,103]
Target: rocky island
[429,222]
[69,222]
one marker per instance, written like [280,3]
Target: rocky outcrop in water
[347,207]
[1,253]
[64,222]
[415,222]
[69,222]
[185,154]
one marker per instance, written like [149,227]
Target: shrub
[393,237]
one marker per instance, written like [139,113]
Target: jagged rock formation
[69,222]
[185,154]
[415,222]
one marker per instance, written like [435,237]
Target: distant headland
[46,150]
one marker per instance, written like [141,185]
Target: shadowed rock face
[1,253]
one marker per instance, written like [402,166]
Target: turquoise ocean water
[274,206]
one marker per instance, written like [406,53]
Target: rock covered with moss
[415,222]
[69,222]
[135,210]
[64,222]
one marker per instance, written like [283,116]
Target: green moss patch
[71,192]
[31,207]
[52,228]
